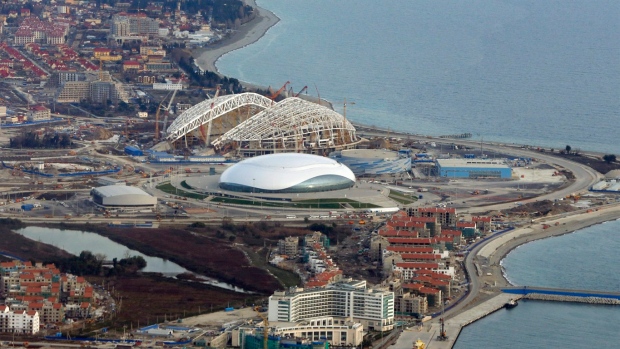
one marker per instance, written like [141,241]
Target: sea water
[537,72]
[586,259]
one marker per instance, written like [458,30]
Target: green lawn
[402,198]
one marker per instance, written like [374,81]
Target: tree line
[33,140]
[209,79]
[91,264]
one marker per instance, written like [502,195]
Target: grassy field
[402,198]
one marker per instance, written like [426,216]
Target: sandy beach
[247,34]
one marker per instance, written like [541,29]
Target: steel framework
[204,112]
[293,124]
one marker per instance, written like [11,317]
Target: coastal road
[585,176]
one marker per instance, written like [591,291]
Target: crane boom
[277,93]
[217,93]
[168,111]
[159,107]
[265,328]
[301,91]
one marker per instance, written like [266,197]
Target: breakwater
[574,299]
[565,295]
[460,135]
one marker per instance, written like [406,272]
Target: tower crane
[166,109]
[277,93]
[265,328]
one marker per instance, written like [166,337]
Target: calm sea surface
[586,259]
[531,72]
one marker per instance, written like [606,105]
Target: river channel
[76,241]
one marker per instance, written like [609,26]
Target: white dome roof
[287,172]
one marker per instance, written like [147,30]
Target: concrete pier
[429,331]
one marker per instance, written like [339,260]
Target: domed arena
[287,173]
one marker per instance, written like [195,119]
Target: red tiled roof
[408,249]
[413,286]
[414,265]
[429,290]
[420,256]
[451,232]
[400,233]
[419,241]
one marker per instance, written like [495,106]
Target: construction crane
[159,108]
[265,328]
[301,91]
[277,93]
[208,138]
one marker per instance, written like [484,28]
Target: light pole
[253,186]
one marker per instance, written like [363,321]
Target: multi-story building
[120,26]
[37,288]
[446,216]
[73,92]
[32,29]
[133,24]
[344,301]
[21,321]
[97,87]
[38,113]
[289,246]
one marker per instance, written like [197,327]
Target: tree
[568,149]
[609,158]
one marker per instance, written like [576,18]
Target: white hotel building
[344,301]
[21,321]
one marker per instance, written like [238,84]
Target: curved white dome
[287,172]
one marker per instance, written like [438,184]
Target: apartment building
[289,246]
[21,321]
[344,301]
[446,216]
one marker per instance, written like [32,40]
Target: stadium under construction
[248,124]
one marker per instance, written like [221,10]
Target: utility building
[472,168]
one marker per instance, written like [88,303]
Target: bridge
[566,295]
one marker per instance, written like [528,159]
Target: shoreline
[247,34]
[521,236]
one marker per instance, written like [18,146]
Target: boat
[511,304]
